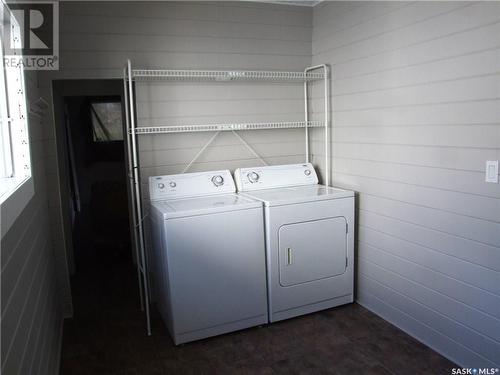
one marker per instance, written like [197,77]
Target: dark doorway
[98,186]
[91,154]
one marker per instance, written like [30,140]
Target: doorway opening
[90,133]
[98,186]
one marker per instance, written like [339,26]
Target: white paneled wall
[31,313]
[416,113]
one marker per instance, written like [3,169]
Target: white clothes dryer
[309,238]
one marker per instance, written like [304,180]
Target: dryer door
[312,250]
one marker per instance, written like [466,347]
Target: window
[14,154]
[15,163]
[106,121]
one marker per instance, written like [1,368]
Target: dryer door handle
[289,256]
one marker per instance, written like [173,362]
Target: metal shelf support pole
[326,117]
[131,185]
[306,118]
[138,199]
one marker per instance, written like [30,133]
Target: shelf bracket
[210,141]
[250,148]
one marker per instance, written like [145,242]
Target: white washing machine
[309,238]
[208,255]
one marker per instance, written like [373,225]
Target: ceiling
[302,3]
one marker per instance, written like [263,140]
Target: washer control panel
[191,185]
[275,176]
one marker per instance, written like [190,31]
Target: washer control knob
[218,180]
[253,177]
[161,185]
[307,172]
[172,184]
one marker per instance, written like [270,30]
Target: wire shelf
[225,75]
[227,127]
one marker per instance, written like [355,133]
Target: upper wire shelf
[227,127]
[225,75]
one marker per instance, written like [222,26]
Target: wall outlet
[492,171]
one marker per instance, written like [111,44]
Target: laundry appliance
[208,257]
[309,238]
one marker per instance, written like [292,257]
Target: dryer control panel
[275,176]
[191,185]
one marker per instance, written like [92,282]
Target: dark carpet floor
[107,336]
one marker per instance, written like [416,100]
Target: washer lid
[175,208]
[298,194]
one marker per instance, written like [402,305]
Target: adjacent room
[250,187]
